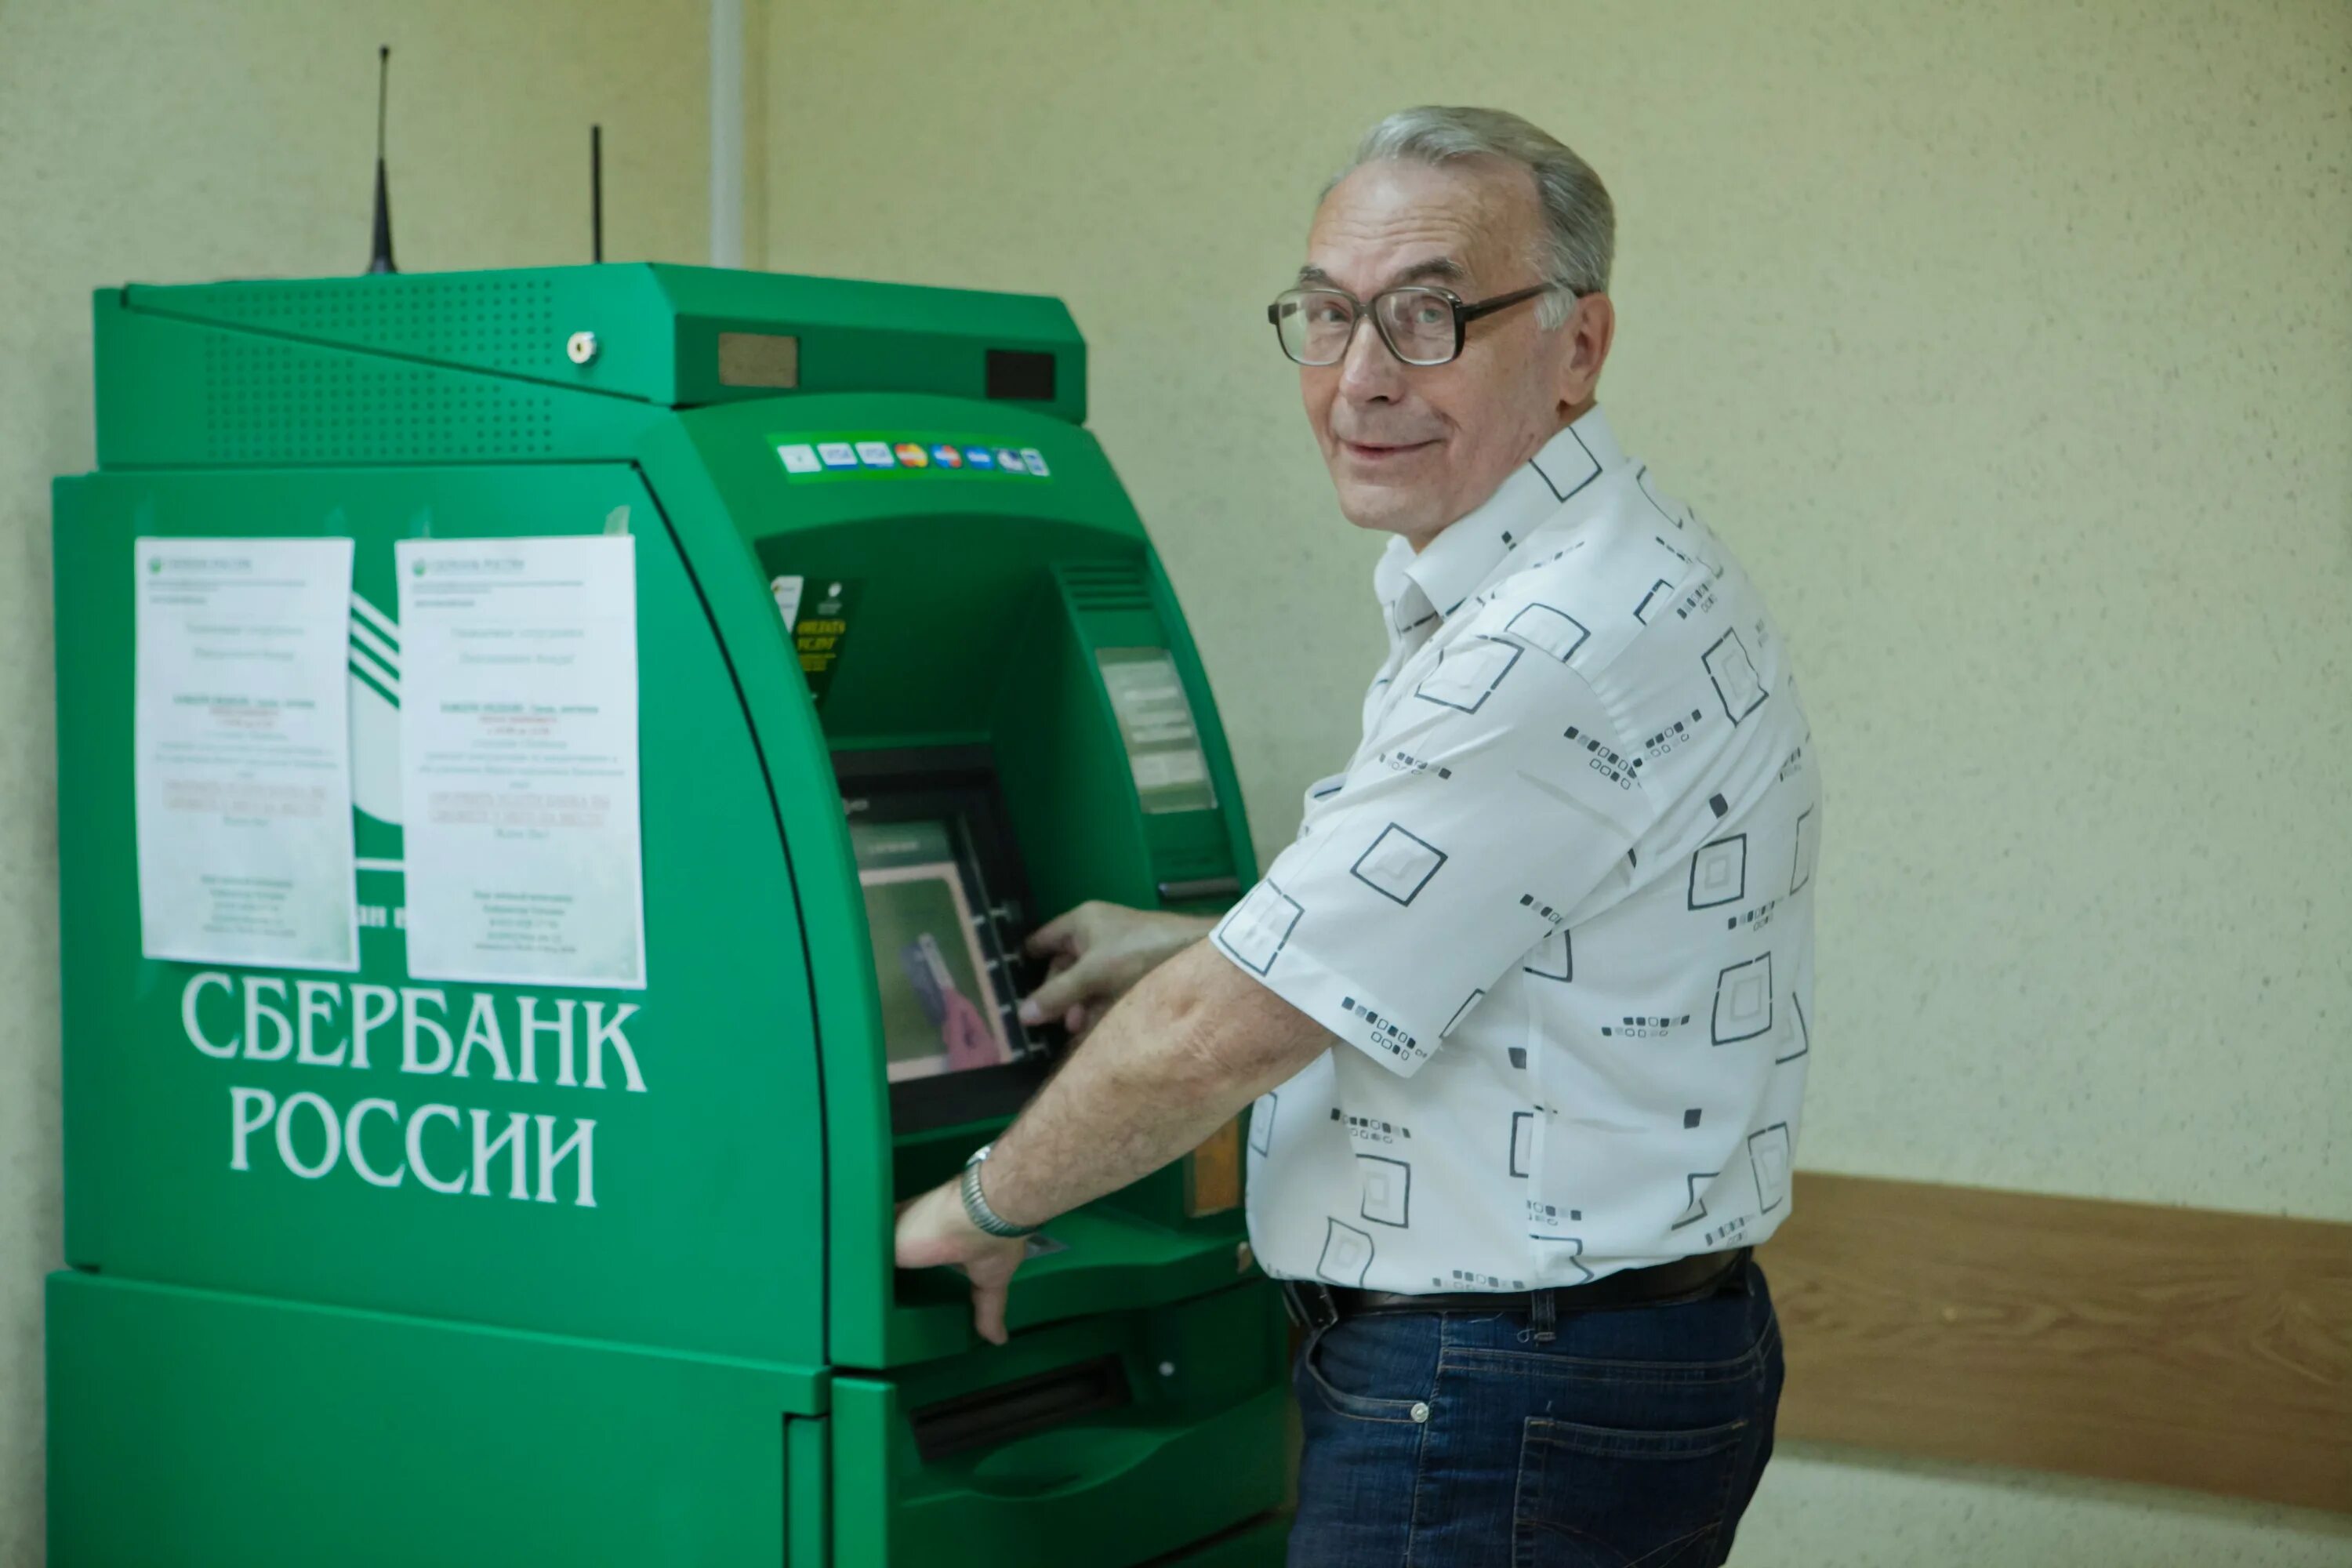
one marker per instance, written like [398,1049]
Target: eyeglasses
[1421,325]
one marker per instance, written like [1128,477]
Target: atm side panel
[700,1226]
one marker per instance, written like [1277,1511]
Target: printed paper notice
[518,760]
[241,730]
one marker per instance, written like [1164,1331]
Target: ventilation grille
[267,400]
[495,323]
[1101,585]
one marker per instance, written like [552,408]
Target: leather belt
[1315,1306]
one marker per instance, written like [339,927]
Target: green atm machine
[346,1287]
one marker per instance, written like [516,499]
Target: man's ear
[1590,330]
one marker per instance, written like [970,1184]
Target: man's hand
[1196,1041]
[1099,950]
[933,1230]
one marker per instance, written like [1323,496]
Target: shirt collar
[1449,569]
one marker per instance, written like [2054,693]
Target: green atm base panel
[190,1426]
[910,680]
[219,1431]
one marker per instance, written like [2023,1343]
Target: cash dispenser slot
[1001,1414]
[1136,1433]
[1195,888]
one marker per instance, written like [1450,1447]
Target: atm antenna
[596,193]
[381,261]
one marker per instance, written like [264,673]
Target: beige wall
[2011,346]
[166,141]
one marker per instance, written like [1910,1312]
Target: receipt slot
[374,1267]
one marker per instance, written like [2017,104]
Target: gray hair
[1579,222]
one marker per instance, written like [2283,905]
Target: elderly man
[1524,1009]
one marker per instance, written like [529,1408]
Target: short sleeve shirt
[1558,909]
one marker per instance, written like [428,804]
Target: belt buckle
[1311,1304]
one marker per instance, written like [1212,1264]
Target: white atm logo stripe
[385,680]
[376,618]
[364,637]
[376,649]
[374,657]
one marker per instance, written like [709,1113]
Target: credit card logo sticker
[854,456]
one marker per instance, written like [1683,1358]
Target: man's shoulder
[1608,584]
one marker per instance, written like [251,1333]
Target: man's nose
[1368,372]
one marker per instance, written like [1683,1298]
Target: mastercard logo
[913,456]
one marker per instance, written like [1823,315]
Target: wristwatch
[975,1203]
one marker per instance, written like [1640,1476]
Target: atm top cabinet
[911,681]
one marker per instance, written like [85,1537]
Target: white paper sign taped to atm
[242,767]
[518,760]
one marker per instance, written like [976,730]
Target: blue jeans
[1455,1440]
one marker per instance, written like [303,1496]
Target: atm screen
[946,903]
[941,1008]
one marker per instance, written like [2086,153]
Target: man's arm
[1195,1042]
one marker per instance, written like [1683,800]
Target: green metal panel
[513,324]
[1199,1447]
[858,336]
[864,1489]
[808,1495]
[189,1429]
[174,393]
[707,1231]
[657,328]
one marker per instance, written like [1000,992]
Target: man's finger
[1059,934]
[988,1311]
[1058,993]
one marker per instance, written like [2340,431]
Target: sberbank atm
[912,680]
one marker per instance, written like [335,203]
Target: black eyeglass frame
[1464,313]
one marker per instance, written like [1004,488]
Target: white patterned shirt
[1559,905]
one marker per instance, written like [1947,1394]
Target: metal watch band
[975,1203]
